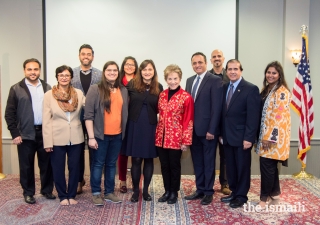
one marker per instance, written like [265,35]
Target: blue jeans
[106,155]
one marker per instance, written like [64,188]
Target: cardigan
[136,102]
[176,118]
[276,125]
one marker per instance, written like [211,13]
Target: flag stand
[1,174]
[302,174]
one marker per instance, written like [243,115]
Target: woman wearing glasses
[128,71]
[62,133]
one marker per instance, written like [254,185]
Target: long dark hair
[122,73]
[138,83]
[105,86]
[281,81]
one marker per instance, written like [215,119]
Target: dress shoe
[225,189]
[164,197]
[227,199]
[135,197]
[236,203]
[207,199]
[49,196]
[194,196]
[29,199]
[146,197]
[173,198]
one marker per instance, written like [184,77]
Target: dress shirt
[195,80]
[37,94]
[235,85]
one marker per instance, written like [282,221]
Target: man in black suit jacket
[240,121]
[206,90]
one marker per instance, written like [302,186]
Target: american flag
[302,103]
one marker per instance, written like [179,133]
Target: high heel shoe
[275,200]
[135,197]
[164,197]
[146,197]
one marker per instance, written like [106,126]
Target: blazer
[76,82]
[276,125]
[208,104]
[175,123]
[136,103]
[240,121]
[56,129]
[94,110]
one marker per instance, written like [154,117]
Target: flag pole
[1,174]
[303,174]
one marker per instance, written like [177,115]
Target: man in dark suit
[240,122]
[206,90]
[217,60]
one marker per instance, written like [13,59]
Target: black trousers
[58,161]
[26,154]
[238,163]
[170,168]
[223,171]
[82,155]
[270,185]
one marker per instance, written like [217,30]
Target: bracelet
[91,138]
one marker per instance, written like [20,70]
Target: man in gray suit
[83,77]
[217,60]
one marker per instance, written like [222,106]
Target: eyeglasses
[129,65]
[64,75]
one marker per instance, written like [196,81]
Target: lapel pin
[238,90]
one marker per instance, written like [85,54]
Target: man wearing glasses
[83,77]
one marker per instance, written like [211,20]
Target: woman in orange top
[129,69]
[174,131]
[274,138]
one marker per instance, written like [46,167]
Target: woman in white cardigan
[62,133]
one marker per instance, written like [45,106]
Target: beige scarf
[64,97]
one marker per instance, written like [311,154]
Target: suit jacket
[175,123]
[76,82]
[241,120]
[208,104]
[56,129]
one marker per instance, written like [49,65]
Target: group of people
[123,112]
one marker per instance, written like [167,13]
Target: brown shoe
[225,189]
[80,185]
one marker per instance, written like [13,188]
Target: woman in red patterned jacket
[174,131]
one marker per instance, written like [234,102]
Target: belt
[38,127]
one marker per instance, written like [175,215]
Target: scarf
[64,97]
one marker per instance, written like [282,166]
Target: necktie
[194,89]
[230,93]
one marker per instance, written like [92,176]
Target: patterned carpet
[300,195]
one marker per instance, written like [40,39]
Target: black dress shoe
[164,197]
[236,203]
[227,199]
[173,198]
[135,197]
[194,196]
[207,199]
[49,196]
[29,199]
[146,197]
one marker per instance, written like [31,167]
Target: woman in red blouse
[174,131]
[129,69]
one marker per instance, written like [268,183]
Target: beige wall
[268,30]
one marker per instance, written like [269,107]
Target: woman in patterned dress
[274,138]
[174,131]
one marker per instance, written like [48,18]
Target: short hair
[234,61]
[31,60]
[200,53]
[62,68]
[172,69]
[86,46]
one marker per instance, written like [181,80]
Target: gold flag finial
[303,29]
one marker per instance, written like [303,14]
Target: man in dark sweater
[83,77]
[23,115]
[217,60]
